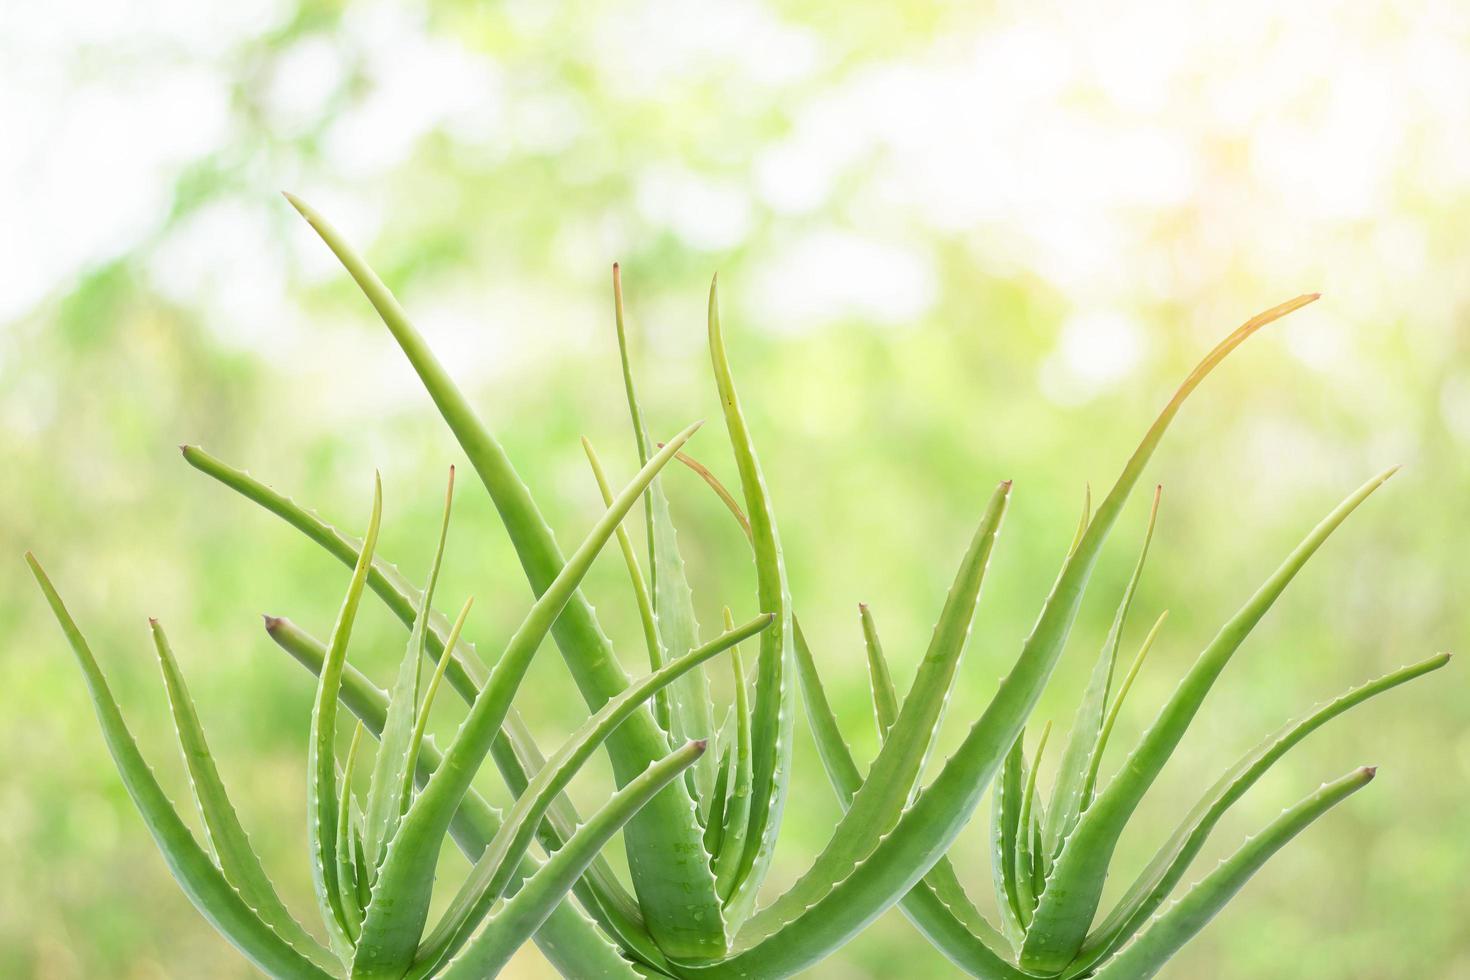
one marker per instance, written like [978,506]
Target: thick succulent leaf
[514,750]
[640,588]
[421,724]
[1169,931]
[1086,516]
[665,852]
[392,779]
[690,717]
[205,885]
[1089,788]
[1027,855]
[1083,741]
[736,816]
[888,788]
[1156,881]
[222,828]
[352,891]
[395,922]
[936,817]
[569,940]
[938,905]
[774,709]
[714,824]
[514,923]
[1072,893]
[321,764]
[885,697]
[487,881]
[1005,827]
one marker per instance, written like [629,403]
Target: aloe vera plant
[700,827]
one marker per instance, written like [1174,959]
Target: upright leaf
[1084,740]
[1076,885]
[204,884]
[1185,918]
[665,851]
[774,710]
[321,747]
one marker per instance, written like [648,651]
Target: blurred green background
[957,243]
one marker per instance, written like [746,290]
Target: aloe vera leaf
[514,750]
[727,745]
[391,779]
[223,831]
[640,589]
[492,872]
[205,884]
[669,870]
[938,814]
[1173,928]
[1156,881]
[1083,741]
[736,818]
[714,824]
[1005,826]
[774,710]
[635,411]
[1073,891]
[1027,855]
[421,724]
[938,905]
[1086,516]
[571,941]
[395,922]
[321,792]
[880,800]
[514,923]
[690,717]
[1089,788]
[352,892]
[885,698]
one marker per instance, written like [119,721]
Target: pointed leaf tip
[1369,772]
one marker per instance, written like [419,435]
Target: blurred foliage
[918,212]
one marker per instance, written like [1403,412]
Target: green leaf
[1005,827]
[487,881]
[204,884]
[1185,918]
[1072,893]
[736,816]
[640,589]
[400,906]
[514,750]
[941,810]
[1027,854]
[222,828]
[937,905]
[775,708]
[1083,742]
[666,857]
[881,798]
[1155,883]
[321,747]
[569,940]
[351,891]
[392,780]
[509,928]
[885,698]
[1089,788]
